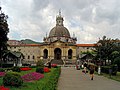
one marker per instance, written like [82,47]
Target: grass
[36,85]
[113,77]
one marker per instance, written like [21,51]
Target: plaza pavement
[72,79]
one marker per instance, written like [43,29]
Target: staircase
[59,62]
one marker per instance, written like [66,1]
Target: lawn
[117,77]
[50,81]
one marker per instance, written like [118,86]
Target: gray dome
[59,31]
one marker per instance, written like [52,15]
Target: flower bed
[54,65]
[3,88]
[2,74]
[25,68]
[46,69]
[32,76]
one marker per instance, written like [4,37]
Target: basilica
[58,47]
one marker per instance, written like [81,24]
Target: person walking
[92,72]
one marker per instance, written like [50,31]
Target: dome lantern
[59,19]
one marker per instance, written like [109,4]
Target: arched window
[69,54]
[28,57]
[33,57]
[45,53]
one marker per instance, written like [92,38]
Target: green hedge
[105,69]
[12,79]
[51,81]
[40,70]
[16,69]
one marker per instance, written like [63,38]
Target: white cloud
[88,19]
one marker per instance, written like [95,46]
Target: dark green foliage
[40,69]
[51,82]
[3,34]
[12,79]
[16,69]
[117,62]
[32,66]
[49,65]
[2,69]
[107,49]
[7,65]
[40,63]
[25,64]
[106,69]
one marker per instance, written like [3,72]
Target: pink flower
[2,74]
[32,76]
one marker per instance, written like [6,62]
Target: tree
[117,61]
[106,46]
[3,33]
[114,55]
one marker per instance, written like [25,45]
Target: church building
[58,47]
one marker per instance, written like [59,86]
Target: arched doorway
[57,53]
[45,53]
[69,54]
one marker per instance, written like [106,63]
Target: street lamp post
[99,67]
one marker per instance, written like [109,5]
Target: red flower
[46,69]
[3,88]
[25,68]
[54,65]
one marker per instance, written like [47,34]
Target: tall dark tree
[3,33]
[108,49]
[104,49]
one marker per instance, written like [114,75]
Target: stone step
[59,62]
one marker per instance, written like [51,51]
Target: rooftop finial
[59,12]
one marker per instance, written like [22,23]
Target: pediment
[58,43]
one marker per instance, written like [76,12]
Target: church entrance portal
[57,53]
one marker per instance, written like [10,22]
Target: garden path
[72,79]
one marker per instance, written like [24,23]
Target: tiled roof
[86,45]
[27,45]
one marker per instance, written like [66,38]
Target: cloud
[88,19]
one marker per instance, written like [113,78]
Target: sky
[89,20]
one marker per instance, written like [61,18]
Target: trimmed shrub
[2,69]
[12,79]
[40,63]
[40,69]
[16,69]
[7,65]
[51,82]
[106,69]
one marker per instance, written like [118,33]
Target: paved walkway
[72,79]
